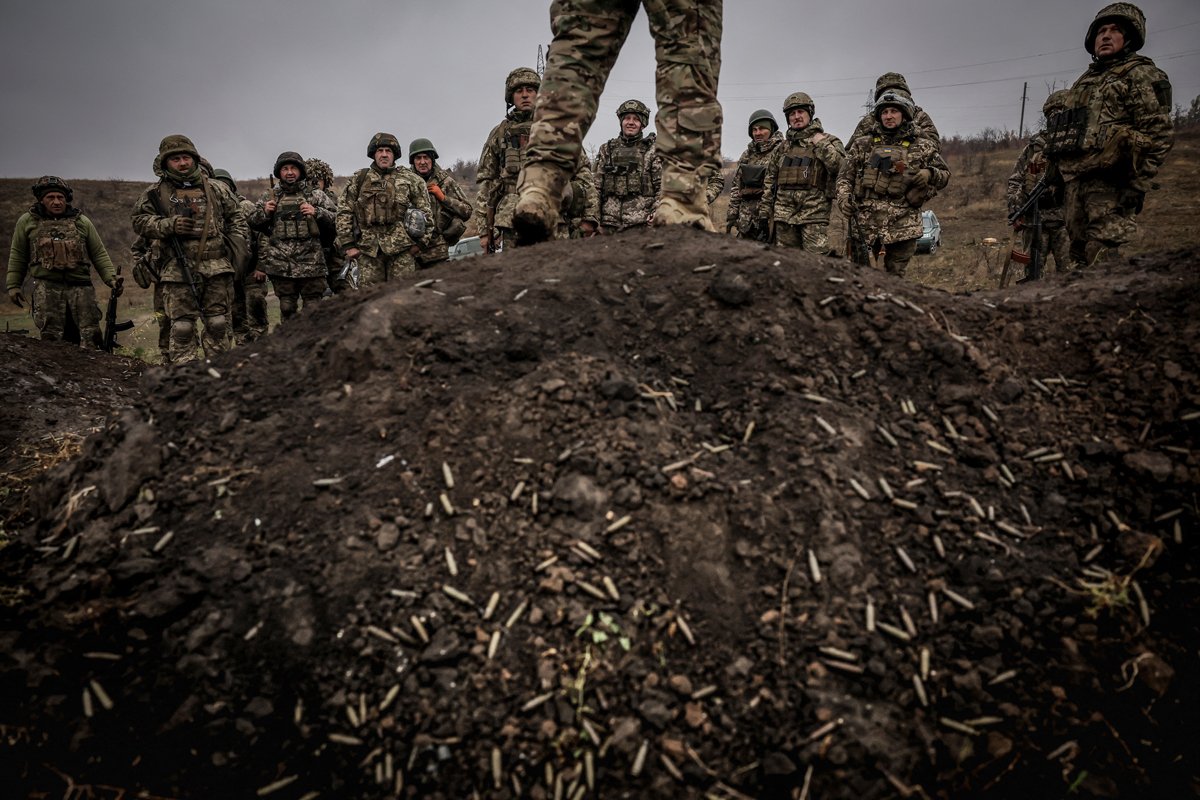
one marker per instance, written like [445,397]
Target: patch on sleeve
[1162,90]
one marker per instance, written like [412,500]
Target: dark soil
[551,524]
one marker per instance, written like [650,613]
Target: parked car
[931,233]
[465,248]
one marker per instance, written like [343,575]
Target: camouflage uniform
[714,186]
[320,176]
[799,185]
[451,209]
[885,179]
[290,249]
[1112,139]
[504,152]
[1032,165]
[59,251]
[143,255]
[371,217]
[628,174]
[580,214]
[249,311]
[746,191]
[217,219]
[894,81]
[588,35]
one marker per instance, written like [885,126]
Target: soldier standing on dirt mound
[746,193]
[59,246]
[1111,139]
[451,208]
[1032,165]
[504,152]
[888,174]
[588,35]
[801,175]
[383,216]
[895,82]
[186,207]
[628,172]
[291,219]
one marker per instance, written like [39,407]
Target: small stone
[387,537]
[680,684]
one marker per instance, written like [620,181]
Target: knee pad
[287,306]
[183,330]
[216,326]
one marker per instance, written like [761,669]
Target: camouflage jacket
[1126,129]
[714,186]
[746,191]
[500,163]
[801,192]
[1031,166]
[290,246]
[922,123]
[628,175]
[877,176]
[77,252]
[445,212]
[222,224]
[583,204]
[371,211]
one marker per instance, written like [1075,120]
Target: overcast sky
[91,86]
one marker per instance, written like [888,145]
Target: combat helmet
[421,146]
[634,107]
[292,157]
[1129,17]
[318,170]
[759,116]
[799,100]
[894,98]
[174,144]
[223,175]
[383,140]
[1057,101]
[890,80]
[521,76]
[51,183]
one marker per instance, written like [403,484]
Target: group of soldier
[209,251]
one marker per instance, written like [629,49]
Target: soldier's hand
[17,298]
[845,206]
[920,179]
[437,192]
[269,206]
[352,252]
[259,276]
[485,242]
[589,228]
[184,226]
[308,209]
[819,137]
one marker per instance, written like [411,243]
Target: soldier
[801,176]
[895,82]
[501,160]
[746,193]
[383,215]
[320,176]
[451,208]
[202,218]
[1032,166]
[291,218]
[628,172]
[587,38]
[59,247]
[579,217]
[888,174]
[249,283]
[1111,140]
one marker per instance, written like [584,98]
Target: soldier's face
[798,118]
[54,202]
[289,173]
[523,98]
[180,162]
[422,163]
[384,157]
[631,124]
[1110,39]
[760,133]
[891,117]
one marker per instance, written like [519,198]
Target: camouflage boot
[535,218]
[673,211]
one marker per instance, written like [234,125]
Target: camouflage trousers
[216,295]
[896,255]
[164,324]
[373,270]
[1054,242]
[813,237]
[59,310]
[1096,219]
[249,310]
[291,291]
[588,35]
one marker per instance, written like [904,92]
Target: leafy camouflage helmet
[318,170]
[634,107]
[521,76]
[383,140]
[890,80]
[895,99]
[292,157]
[1057,101]
[223,175]
[1129,17]
[421,146]
[799,100]
[759,116]
[51,183]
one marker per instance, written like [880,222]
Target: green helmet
[292,157]
[634,107]
[175,144]
[51,183]
[521,76]
[223,175]
[383,140]
[1129,17]
[890,80]
[799,100]
[1057,101]
[896,99]
[421,146]
[759,116]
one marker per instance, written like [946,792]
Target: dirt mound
[657,515]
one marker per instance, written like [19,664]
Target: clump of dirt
[662,514]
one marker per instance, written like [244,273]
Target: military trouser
[1096,220]
[164,324]
[291,291]
[896,255]
[588,35]
[376,269]
[812,237]
[59,306]
[250,316]
[1055,242]
[216,295]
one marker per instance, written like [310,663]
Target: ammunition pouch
[624,174]
[1065,131]
[751,178]
[453,229]
[58,245]
[378,204]
[885,173]
[516,139]
[290,222]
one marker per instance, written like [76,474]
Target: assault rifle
[177,249]
[491,225]
[856,243]
[1033,259]
[111,326]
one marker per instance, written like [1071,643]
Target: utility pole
[1024,93]
[541,61]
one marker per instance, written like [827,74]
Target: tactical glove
[17,298]
[845,206]
[184,226]
[918,189]
[437,192]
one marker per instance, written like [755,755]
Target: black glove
[1131,201]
